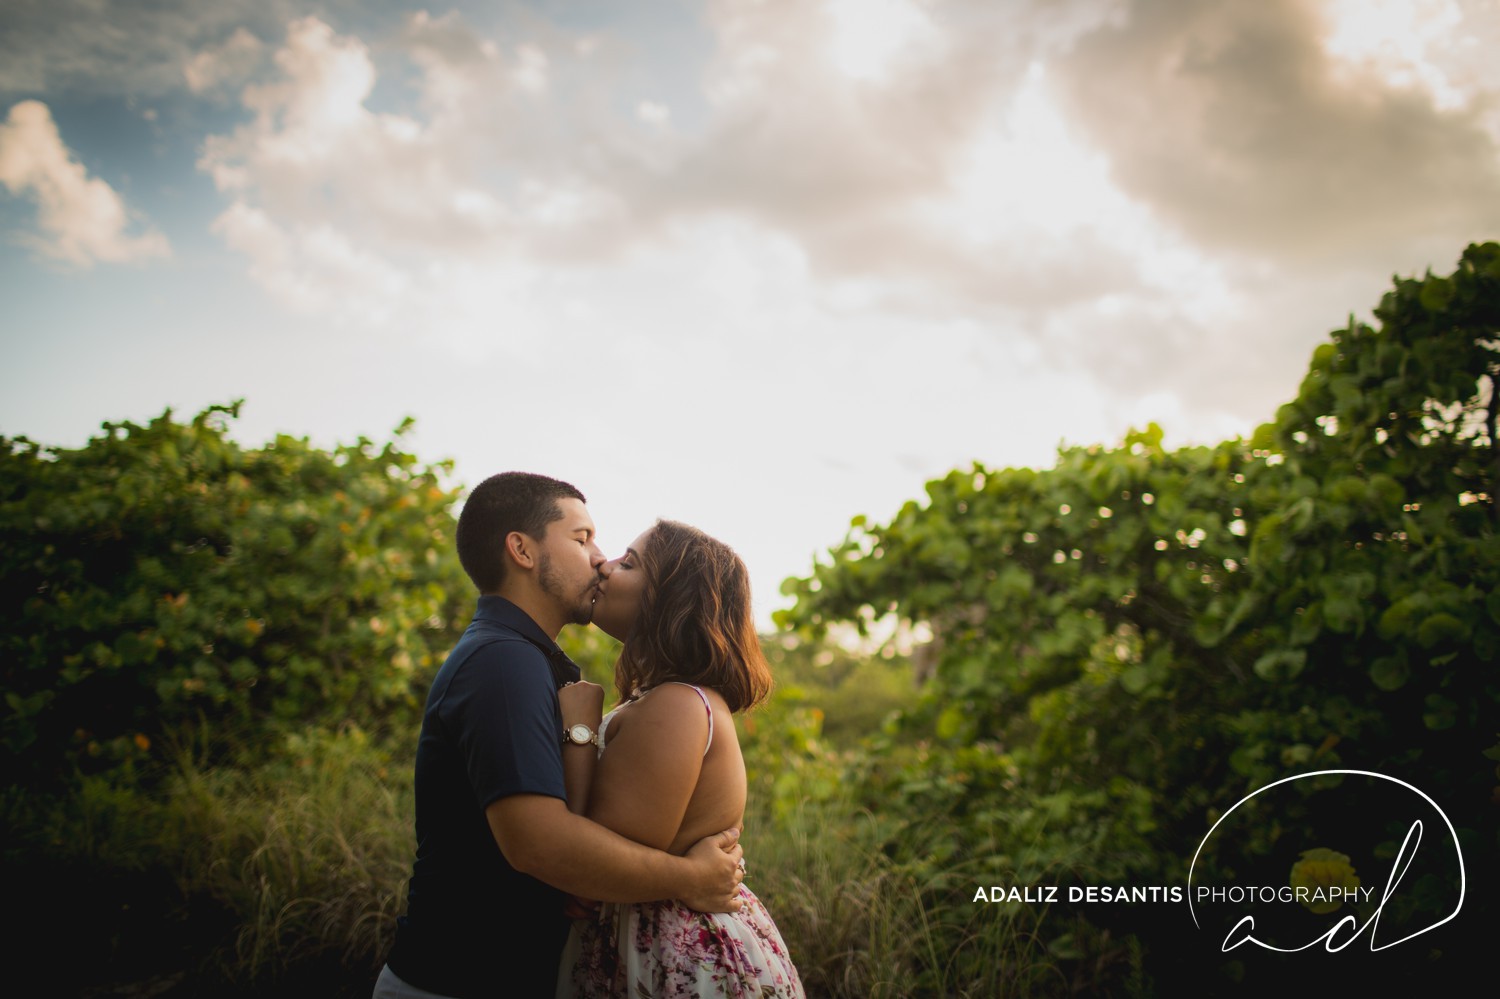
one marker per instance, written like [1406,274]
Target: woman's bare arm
[582,703]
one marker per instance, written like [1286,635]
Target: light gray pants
[388,986]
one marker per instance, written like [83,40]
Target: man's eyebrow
[587,532]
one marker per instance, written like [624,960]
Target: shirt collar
[501,611]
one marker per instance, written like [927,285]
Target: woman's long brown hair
[695,624]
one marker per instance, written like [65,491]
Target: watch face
[581,734]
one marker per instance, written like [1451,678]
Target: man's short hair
[510,501]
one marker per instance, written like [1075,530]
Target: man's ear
[521,549]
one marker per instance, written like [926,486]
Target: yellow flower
[1322,869]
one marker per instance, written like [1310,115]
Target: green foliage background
[164,575]
[1130,642]
[213,659]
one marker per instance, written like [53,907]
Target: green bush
[1129,642]
[164,577]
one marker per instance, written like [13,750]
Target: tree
[1136,638]
[163,575]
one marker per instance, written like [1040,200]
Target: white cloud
[324,190]
[941,180]
[1242,128]
[82,219]
[531,69]
[870,35]
[938,197]
[376,203]
[313,268]
[231,61]
[105,48]
[653,113]
[1397,40]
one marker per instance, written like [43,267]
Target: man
[497,846]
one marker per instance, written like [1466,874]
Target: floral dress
[664,949]
[657,950]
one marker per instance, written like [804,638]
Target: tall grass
[289,875]
[227,880]
[858,923]
[843,913]
[312,852]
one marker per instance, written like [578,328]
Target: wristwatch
[581,735]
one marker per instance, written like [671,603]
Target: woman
[669,770]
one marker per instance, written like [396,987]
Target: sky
[758,265]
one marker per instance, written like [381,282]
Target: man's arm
[540,837]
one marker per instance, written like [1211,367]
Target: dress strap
[706,707]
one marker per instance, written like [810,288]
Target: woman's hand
[582,704]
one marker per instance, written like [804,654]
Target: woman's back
[655,783]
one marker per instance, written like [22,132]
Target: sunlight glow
[1031,172]
[1031,177]
[1396,39]
[869,35]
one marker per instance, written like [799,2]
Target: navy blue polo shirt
[475,926]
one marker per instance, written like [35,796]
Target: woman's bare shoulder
[675,706]
[666,718]
[671,699]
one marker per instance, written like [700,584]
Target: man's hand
[719,865]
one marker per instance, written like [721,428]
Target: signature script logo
[1241,934]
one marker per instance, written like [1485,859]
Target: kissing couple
[527,794]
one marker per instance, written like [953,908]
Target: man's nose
[601,565]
